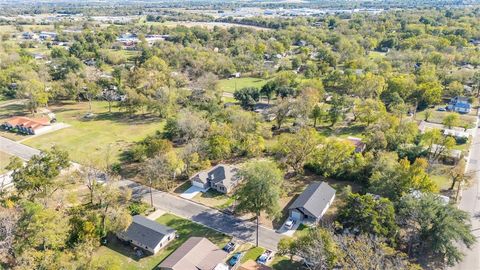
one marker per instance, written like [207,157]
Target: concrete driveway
[228,224]
[289,232]
[192,192]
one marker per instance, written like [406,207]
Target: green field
[123,255]
[4,160]
[437,117]
[107,134]
[229,85]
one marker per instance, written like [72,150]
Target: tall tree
[261,190]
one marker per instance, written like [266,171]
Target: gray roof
[197,253]
[147,232]
[314,198]
[220,173]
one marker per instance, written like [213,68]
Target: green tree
[434,228]
[369,110]
[370,215]
[38,179]
[450,120]
[247,96]
[261,190]
[332,157]
[297,148]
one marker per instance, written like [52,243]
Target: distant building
[147,234]
[223,178]
[357,142]
[27,125]
[460,105]
[47,35]
[313,203]
[197,253]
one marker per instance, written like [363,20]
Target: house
[459,104]
[447,156]
[456,133]
[312,204]
[27,125]
[147,234]
[197,253]
[252,265]
[223,178]
[357,142]
[46,35]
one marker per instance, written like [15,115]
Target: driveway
[17,149]
[192,192]
[228,224]
[289,232]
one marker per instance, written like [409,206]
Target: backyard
[230,85]
[4,160]
[118,253]
[105,135]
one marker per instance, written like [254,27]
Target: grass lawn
[4,160]
[107,134]
[439,175]
[437,117]
[118,253]
[214,199]
[229,85]
[252,254]
[284,263]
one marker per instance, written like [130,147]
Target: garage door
[296,215]
[198,184]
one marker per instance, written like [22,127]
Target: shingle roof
[147,232]
[314,198]
[220,173]
[197,253]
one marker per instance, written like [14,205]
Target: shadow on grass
[287,264]
[11,110]
[124,248]
[126,118]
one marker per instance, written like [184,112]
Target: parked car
[229,247]
[265,257]
[235,259]
[441,109]
[289,224]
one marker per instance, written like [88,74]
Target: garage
[296,215]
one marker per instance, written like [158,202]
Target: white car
[289,224]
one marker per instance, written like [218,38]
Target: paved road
[470,202]
[17,149]
[228,224]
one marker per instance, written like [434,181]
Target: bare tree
[8,226]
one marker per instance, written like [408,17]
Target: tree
[247,96]
[393,179]
[428,113]
[38,178]
[317,248]
[332,157]
[35,91]
[338,109]
[268,90]
[281,111]
[434,228]
[8,228]
[162,170]
[430,93]
[450,120]
[316,114]
[437,144]
[367,214]
[297,148]
[368,252]
[369,110]
[261,190]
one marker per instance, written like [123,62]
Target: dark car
[229,247]
[235,259]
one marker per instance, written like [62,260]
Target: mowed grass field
[117,253]
[229,85]
[4,160]
[93,140]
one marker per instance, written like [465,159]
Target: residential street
[206,216]
[17,149]
[470,202]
